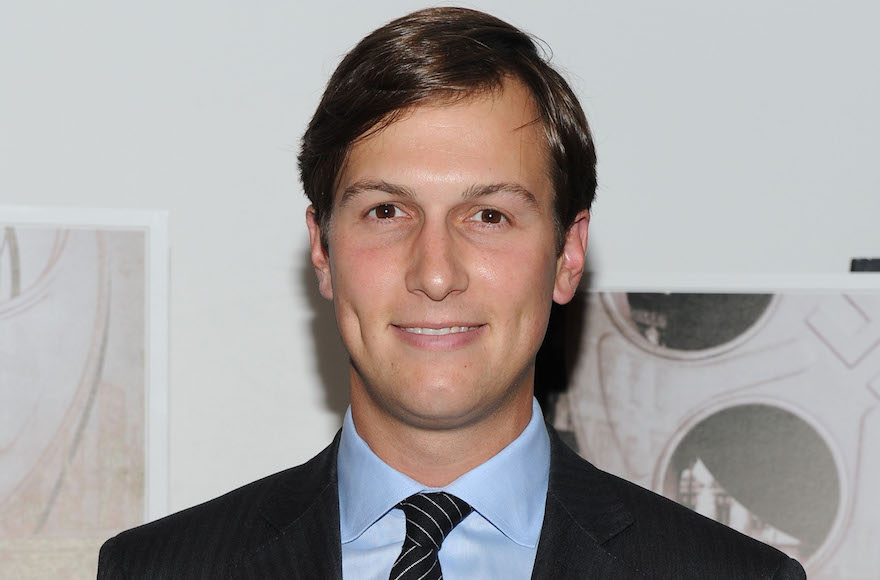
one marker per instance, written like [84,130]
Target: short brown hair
[444,54]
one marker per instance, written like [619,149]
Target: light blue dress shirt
[498,540]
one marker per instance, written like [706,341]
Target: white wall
[733,137]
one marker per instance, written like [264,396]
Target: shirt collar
[509,490]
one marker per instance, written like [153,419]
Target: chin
[438,402]
[452,407]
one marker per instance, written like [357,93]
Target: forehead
[495,136]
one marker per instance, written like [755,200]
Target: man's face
[442,260]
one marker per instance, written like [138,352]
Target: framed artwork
[83,384]
[752,400]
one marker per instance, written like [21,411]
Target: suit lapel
[581,514]
[303,509]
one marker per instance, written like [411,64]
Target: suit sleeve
[790,570]
[109,563]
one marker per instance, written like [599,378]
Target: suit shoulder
[675,539]
[211,535]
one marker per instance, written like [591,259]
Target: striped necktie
[429,518]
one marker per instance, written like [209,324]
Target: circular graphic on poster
[687,325]
[761,470]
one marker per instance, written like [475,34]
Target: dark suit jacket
[287,526]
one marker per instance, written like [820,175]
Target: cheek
[519,278]
[362,278]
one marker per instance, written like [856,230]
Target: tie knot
[431,516]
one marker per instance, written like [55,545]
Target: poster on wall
[753,402]
[83,384]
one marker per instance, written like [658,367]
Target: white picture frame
[153,257]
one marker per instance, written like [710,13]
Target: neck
[438,454]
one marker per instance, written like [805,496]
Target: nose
[436,266]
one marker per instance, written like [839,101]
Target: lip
[439,336]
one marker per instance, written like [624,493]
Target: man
[451,172]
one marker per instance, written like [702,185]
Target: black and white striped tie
[429,518]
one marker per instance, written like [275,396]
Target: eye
[489,216]
[384,211]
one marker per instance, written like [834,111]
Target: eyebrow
[358,188]
[477,191]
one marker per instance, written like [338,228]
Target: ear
[320,257]
[570,264]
